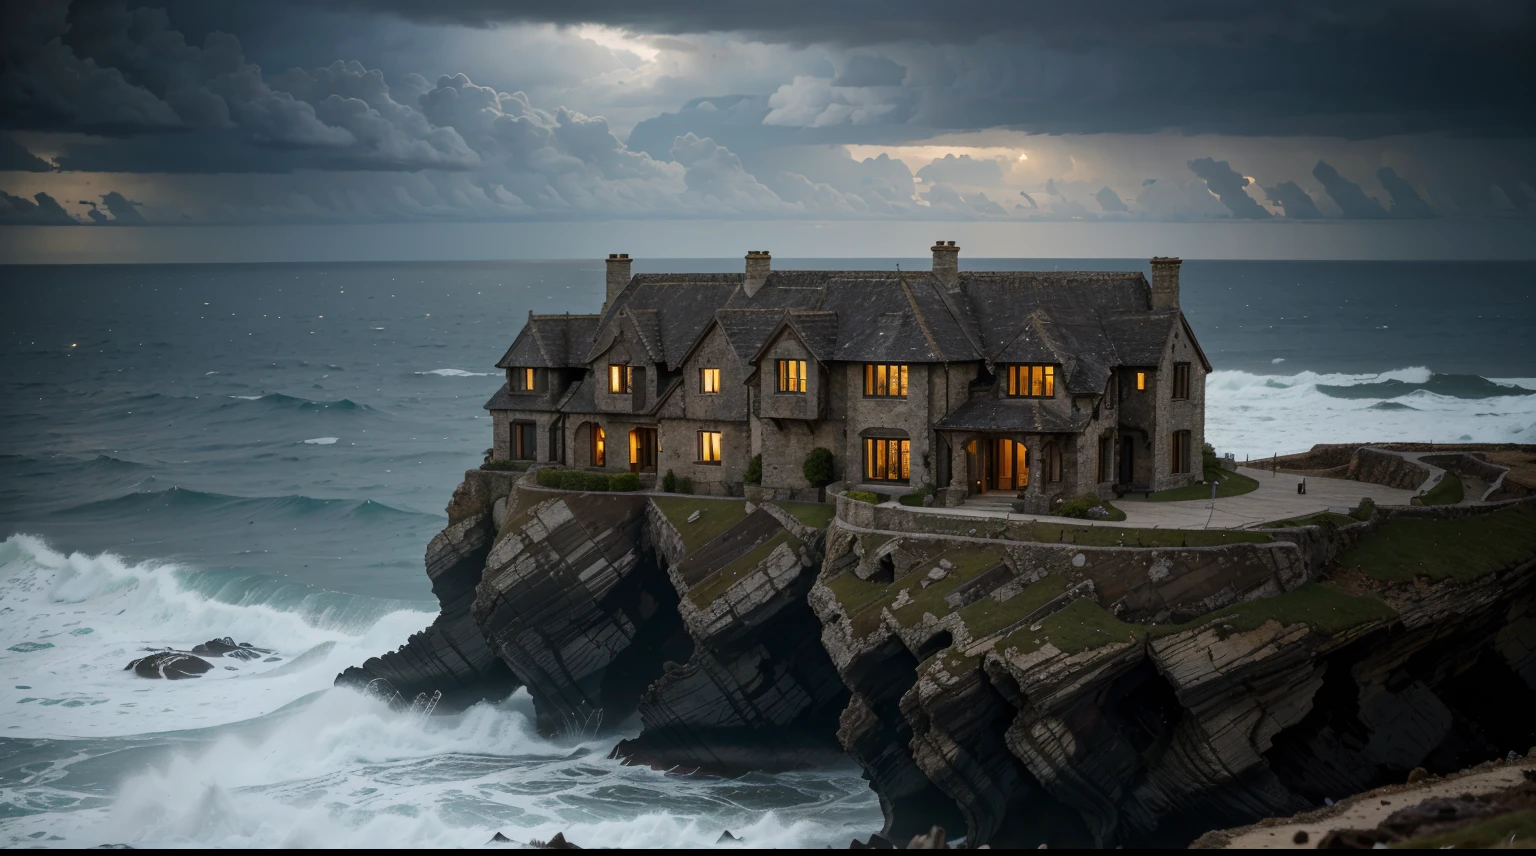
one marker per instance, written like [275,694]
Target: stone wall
[1385,468]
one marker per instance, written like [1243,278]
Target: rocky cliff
[1038,692]
[1023,682]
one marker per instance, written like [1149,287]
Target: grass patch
[915,498]
[1514,829]
[1081,625]
[1231,484]
[1326,519]
[1326,610]
[718,515]
[863,496]
[864,601]
[715,584]
[1448,491]
[1461,550]
[986,616]
[817,515]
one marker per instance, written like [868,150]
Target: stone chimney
[618,277]
[758,262]
[946,263]
[1165,282]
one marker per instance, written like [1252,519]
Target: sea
[263,451]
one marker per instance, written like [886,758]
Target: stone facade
[954,336]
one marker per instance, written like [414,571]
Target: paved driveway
[1275,499]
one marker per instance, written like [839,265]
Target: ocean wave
[1251,414]
[455,373]
[278,400]
[192,502]
[322,441]
[1454,386]
[343,770]
[73,622]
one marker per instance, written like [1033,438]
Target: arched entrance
[997,464]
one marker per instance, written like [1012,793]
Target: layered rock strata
[1071,694]
[451,655]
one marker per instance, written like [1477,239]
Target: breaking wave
[1257,415]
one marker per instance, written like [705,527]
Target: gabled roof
[991,413]
[747,329]
[1087,322]
[508,399]
[551,341]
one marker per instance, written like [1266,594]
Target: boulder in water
[171,665]
[228,647]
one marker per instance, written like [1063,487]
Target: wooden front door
[642,450]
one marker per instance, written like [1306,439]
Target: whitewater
[264,451]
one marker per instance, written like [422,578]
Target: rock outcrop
[450,656]
[171,665]
[1042,694]
[1028,683]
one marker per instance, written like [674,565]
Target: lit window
[792,376]
[1141,381]
[1181,380]
[709,380]
[620,378]
[709,447]
[885,381]
[599,447]
[1032,381]
[887,460]
[528,380]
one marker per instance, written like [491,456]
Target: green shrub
[597,482]
[669,482]
[754,473]
[1364,510]
[685,485]
[548,477]
[1208,457]
[572,479]
[818,468]
[863,496]
[624,481]
[502,464]
[1078,506]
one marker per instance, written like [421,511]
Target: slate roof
[552,341]
[1086,321]
[989,413]
[508,399]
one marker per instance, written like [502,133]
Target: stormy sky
[1223,128]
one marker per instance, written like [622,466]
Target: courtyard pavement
[1275,499]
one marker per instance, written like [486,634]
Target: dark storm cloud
[1349,196]
[1363,68]
[40,210]
[1227,183]
[1406,202]
[122,209]
[1294,201]
[867,70]
[14,157]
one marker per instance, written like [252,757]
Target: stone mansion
[1043,385]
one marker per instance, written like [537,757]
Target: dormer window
[620,378]
[1032,381]
[709,381]
[1141,381]
[525,379]
[883,380]
[791,376]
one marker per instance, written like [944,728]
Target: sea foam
[1257,415]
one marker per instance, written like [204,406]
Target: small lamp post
[1214,483]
